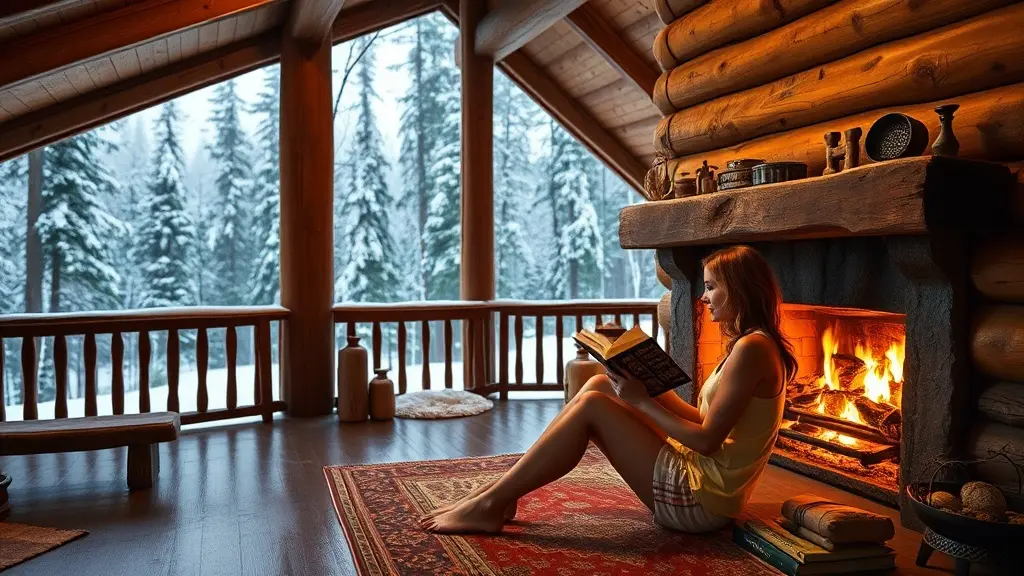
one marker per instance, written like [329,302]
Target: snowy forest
[125,216]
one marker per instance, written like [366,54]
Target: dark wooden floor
[250,498]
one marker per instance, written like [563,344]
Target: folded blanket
[837,523]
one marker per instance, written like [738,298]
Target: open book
[636,353]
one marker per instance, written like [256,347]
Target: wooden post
[307,227]
[477,277]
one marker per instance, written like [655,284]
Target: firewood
[990,126]
[805,399]
[997,268]
[980,53]
[722,22]
[824,36]
[671,10]
[997,342]
[849,370]
[886,419]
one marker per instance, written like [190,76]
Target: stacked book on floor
[817,536]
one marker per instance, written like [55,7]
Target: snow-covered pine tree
[577,267]
[13,183]
[75,227]
[167,235]
[514,116]
[132,164]
[370,273]
[229,242]
[265,287]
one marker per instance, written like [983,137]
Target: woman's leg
[599,383]
[629,444]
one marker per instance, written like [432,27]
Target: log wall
[749,79]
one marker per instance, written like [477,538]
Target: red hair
[753,297]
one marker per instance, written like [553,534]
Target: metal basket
[896,136]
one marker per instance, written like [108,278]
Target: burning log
[804,391]
[867,452]
[854,429]
[886,419]
[849,370]
[836,400]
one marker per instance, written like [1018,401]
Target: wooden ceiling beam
[310,21]
[14,11]
[88,111]
[513,23]
[105,32]
[596,31]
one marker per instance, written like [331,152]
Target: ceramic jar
[353,394]
[578,371]
[382,396]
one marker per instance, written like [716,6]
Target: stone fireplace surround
[825,253]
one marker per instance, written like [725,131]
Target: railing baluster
[448,354]
[425,341]
[559,366]
[60,374]
[376,345]
[3,384]
[636,319]
[172,370]
[579,322]
[117,373]
[144,351]
[402,382]
[90,375]
[654,326]
[618,319]
[539,331]
[503,354]
[519,349]
[351,329]
[257,374]
[202,362]
[481,347]
[231,358]
[266,387]
[28,374]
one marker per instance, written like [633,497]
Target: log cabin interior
[868,149]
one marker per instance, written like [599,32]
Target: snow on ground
[216,383]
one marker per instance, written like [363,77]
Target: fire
[882,370]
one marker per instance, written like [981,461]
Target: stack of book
[816,536]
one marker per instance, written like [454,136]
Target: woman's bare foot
[510,511]
[479,514]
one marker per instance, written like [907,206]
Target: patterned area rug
[437,404]
[589,522]
[21,542]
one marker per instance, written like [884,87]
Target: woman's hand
[628,388]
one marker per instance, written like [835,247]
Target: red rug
[589,522]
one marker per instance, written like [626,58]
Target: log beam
[1003,402]
[902,197]
[307,227]
[512,23]
[824,36]
[985,439]
[310,21]
[989,126]
[997,342]
[477,274]
[977,54]
[670,10]
[721,22]
[15,11]
[68,44]
[997,268]
[596,31]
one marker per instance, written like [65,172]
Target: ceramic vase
[382,396]
[353,394]
[578,371]
[946,143]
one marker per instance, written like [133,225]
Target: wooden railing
[29,327]
[481,323]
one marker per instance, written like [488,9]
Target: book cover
[636,353]
[773,556]
[805,551]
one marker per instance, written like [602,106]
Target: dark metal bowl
[896,136]
[965,530]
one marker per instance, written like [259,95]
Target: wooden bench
[139,432]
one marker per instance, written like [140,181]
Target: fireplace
[843,421]
[873,266]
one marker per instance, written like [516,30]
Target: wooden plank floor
[250,498]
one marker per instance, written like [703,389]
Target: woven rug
[437,404]
[589,522]
[21,542]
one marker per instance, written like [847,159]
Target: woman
[694,468]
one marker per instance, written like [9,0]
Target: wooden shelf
[909,196]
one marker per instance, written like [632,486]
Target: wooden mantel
[901,197]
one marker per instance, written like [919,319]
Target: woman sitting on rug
[694,468]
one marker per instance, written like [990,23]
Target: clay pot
[578,371]
[382,396]
[353,394]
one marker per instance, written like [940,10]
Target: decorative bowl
[896,136]
[963,529]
